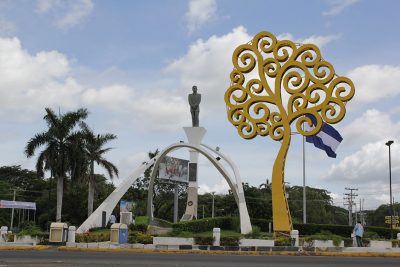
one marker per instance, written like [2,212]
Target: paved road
[98,259]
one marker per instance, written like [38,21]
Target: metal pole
[12,213]
[212,210]
[391,198]
[304,184]
[176,203]
[388,143]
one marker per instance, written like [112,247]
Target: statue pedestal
[195,136]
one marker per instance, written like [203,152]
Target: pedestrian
[111,221]
[358,232]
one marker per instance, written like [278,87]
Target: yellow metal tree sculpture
[275,83]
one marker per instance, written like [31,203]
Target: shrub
[140,227]
[203,240]
[230,241]
[203,225]
[92,237]
[283,241]
[255,233]
[138,237]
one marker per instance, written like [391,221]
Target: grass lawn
[141,220]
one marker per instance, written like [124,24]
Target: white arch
[108,205]
[234,184]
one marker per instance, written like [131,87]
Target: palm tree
[94,152]
[58,141]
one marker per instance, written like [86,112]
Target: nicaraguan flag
[327,139]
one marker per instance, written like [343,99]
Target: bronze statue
[194,102]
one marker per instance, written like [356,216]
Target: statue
[194,102]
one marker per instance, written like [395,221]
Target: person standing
[358,232]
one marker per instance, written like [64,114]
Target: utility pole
[349,198]
[176,202]
[12,213]
[212,210]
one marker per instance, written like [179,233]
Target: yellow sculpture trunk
[280,209]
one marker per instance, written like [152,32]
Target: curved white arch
[108,205]
[235,185]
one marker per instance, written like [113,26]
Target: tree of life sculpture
[274,83]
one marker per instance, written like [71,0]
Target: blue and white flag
[327,139]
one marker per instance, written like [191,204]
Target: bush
[230,241]
[255,233]
[138,237]
[203,225]
[204,240]
[92,237]
[283,241]
[263,224]
[140,227]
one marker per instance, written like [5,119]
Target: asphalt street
[86,259]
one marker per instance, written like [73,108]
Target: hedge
[342,230]
[203,225]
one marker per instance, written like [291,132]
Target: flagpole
[304,183]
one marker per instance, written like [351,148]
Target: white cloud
[337,6]
[368,165]
[115,97]
[220,188]
[207,64]
[371,126]
[68,13]
[30,83]
[375,82]
[317,40]
[199,13]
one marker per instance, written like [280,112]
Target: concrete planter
[26,239]
[256,243]
[380,244]
[323,243]
[173,241]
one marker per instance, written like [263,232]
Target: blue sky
[132,64]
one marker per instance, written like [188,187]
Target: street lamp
[388,143]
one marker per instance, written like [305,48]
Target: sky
[133,63]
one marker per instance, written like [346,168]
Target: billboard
[126,206]
[173,169]
[6,204]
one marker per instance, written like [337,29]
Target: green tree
[94,152]
[59,142]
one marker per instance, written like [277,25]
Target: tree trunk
[60,190]
[280,209]
[91,189]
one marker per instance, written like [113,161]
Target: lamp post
[388,143]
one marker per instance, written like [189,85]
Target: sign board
[126,206]
[8,204]
[173,169]
[393,221]
[395,217]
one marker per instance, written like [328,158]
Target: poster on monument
[174,169]
[126,206]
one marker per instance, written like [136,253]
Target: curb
[38,247]
[224,252]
